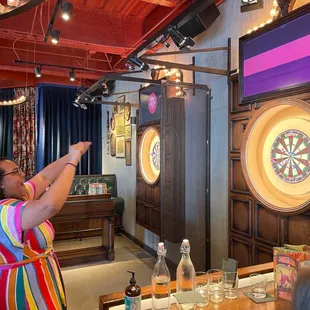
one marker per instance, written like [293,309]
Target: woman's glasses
[15,171]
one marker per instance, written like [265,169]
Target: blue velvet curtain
[60,124]
[6,124]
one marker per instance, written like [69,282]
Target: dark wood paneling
[241,216]
[149,192]
[237,180]
[234,96]
[237,129]
[241,251]
[156,194]
[173,169]
[262,255]
[269,229]
[298,228]
[140,189]
[267,226]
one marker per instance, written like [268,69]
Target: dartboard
[290,156]
[155,155]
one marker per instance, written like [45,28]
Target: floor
[85,283]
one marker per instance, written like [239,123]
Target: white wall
[231,23]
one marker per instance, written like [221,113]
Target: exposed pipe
[34,19]
[47,53]
[41,19]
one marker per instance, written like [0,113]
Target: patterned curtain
[24,131]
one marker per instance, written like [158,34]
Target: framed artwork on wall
[115,109]
[128,153]
[121,108]
[119,124]
[128,132]
[108,148]
[112,144]
[127,114]
[120,147]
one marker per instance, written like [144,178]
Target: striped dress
[30,277]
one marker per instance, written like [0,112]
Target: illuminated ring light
[275,156]
[149,155]
[23,7]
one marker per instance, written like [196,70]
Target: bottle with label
[132,294]
[161,281]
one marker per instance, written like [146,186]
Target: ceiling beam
[167,3]
[185,67]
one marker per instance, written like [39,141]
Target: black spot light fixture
[250,5]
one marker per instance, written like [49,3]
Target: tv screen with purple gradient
[276,60]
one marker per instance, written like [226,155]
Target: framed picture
[128,132]
[112,123]
[120,147]
[121,108]
[119,124]
[115,109]
[108,148]
[128,153]
[113,145]
[127,114]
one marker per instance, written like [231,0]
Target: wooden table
[83,207]
[241,303]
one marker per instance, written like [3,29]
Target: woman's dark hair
[301,296]
[1,176]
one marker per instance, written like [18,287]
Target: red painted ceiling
[100,34]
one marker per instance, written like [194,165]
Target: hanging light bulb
[37,72]
[55,36]
[72,75]
[66,10]
[273,12]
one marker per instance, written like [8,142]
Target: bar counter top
[241,303]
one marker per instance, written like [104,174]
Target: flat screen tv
[274,61]
[149,105]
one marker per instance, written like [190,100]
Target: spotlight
[137,62]
[72,75]
[37,72]
[55,34]
[83,106]
[66,10]
[76,104]
[250,5]
[182,42]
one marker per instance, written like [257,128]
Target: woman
[30,276]
[301,296]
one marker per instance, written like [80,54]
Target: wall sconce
[250,5]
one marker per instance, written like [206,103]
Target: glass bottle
[132,294]
[185,270]
[161,281]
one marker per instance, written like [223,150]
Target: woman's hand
[77,150]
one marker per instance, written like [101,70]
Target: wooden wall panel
[241,251]
[298,229]
[237,129]
[264,219]
[269,229]
[241,216]
[262,255]
[238,183]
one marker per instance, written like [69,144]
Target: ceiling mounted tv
[149,105]
[275,60]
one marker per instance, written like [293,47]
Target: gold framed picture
[128,132]
[127,114]
[120,147]
[128,153]
[121,107]
[119,124]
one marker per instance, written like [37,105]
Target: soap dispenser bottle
[132,294]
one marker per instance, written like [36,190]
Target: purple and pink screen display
[277,59]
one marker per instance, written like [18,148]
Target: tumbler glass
[216,292]
[258,285]
[202,287]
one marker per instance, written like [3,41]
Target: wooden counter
[242,302]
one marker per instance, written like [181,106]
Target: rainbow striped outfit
[30,276]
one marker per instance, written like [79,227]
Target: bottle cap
[185,247]
[161,249]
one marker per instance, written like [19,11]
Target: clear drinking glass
[216,291]
[231,285]
[258,285]
[201,279]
